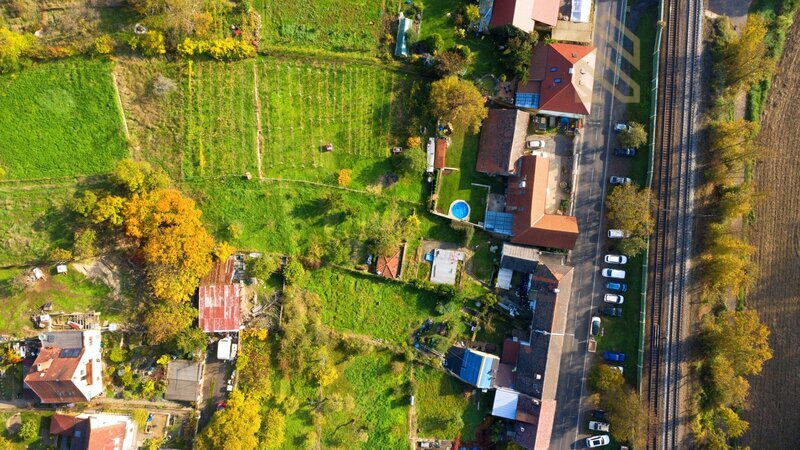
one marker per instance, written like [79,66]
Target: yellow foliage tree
[233,428]
[345,177]
[109,209]
[458,102]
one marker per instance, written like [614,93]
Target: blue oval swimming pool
[459,209]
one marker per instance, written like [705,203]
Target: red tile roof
[389,267]
[545,11]
[63,423]
[51,376]
[502,141]
[109,437]
[563,75]
[526,197]
[219,303]
[441,153]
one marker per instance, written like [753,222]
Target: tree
[739,336]
[263,266]
[85,203]
[274,429]
[632,246]
[606,380]
[103,44]
[722,385]
[190,340]
[736,200]
[233,428]
[733,425]
[29,430]
[176,247]
[517,47]
[165,321]
[414,142]
[139,177]
[458,102]
[450,63]
[628,418]
[109,209]
[150,43]
[628,208]
[345,177]
[294,272]
[84,243]
[13,46]
[472,13]
[60,255]
[635,137]
[746,59]
[726,262]
[433,43]
[411,162]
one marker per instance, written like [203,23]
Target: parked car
[620,127]
[595,327]
[614,298]
[617,286]
[616,259]
[598,441]
[627,152]
[613,273]
[598,426]
[611,311]
[599,414]
[614,357]
[620,180]
[618,234]
[535,144]
[618,369]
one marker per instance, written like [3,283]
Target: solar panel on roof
[528,100]
[70,353]
[498,222]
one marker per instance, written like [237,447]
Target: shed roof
[441,154]
[478,368]
[513,12]
[519,258]
[505,403]
[389,267]
[445,266]
[545,11]
[502,141]
[183,380]
[219,302]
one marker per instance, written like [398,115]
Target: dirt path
[773,412]
[259,132]
[412,416]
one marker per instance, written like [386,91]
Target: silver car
[598,441]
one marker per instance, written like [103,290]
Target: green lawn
[640,112]
[352,26]
[370,305]
[60,119]
[32,221]
[70,292]
[443,403]
[43,420]
[462,154]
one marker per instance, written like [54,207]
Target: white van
[613,273]
[618,234]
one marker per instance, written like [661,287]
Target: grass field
[441,396]
[462,154]
[32,222]
[352,26]
[369,305]
[70,292]
[60,119]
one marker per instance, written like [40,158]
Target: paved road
[594,148]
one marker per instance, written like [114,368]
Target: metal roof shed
[581,10]
[505,404]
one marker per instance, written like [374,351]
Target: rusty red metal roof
[502,141]
[441,153]
[219,301]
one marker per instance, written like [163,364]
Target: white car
[598,426]
[535,144]
[598,441]
[618,369]
[620,127]
[620,180]
[613,298]
[595,326]
[613,273]
[616,259]
[618,234]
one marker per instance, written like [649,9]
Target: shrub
[150,43]
[103,45]
[29,430]
[220,49]
[345,177]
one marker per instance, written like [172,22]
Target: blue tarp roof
[498,222]
[476,370]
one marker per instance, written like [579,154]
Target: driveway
[214,381]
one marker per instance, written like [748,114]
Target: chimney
[41,367]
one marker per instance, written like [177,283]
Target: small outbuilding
[445,266]
[185,381]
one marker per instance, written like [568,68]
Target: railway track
[671,246]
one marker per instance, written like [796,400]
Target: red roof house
[389,267]
[560,80]
[94,431]
[526,197]
[502,141]
[440,153]
[524,14]
[219,302]
[68,368]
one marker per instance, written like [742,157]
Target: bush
[150,43]
[220,49]
[294,272]
[433,43]
[103,44]
[29,430]
[345,177]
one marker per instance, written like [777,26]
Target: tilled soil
[773,414]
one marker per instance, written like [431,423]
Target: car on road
[620,180]
[598,426]
[620,127]
[628,152]
[535,144]
[616,259]
[614,357]
[613,273]
[618,234]
[612,312]
[595,327]
[614,298]
[617,286]
[598,441]
[599,414]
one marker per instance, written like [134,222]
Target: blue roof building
[472,366]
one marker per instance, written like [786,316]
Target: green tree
[233,428]
[517,47]
[410,163]
[635,137]
[606,380]
[164,321]
[274,429]
[84,243]
[472,13]
[722,385]
[730,422]
[746,59]
[29,430]
[741,337]
[294,272]
[458,102]
[109,209]
[139,177]
[628,208]
[13,46]
[434,43]
[263,266]
[736,200]
[190,341]
[85,203]
[150,43]
[726,262]
[628,418]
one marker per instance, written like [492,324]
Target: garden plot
[305,106]
[60,119]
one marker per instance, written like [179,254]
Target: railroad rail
[671,245]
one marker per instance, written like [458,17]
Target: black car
[599,414]
[613,312]
[617,286]
[629,152]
